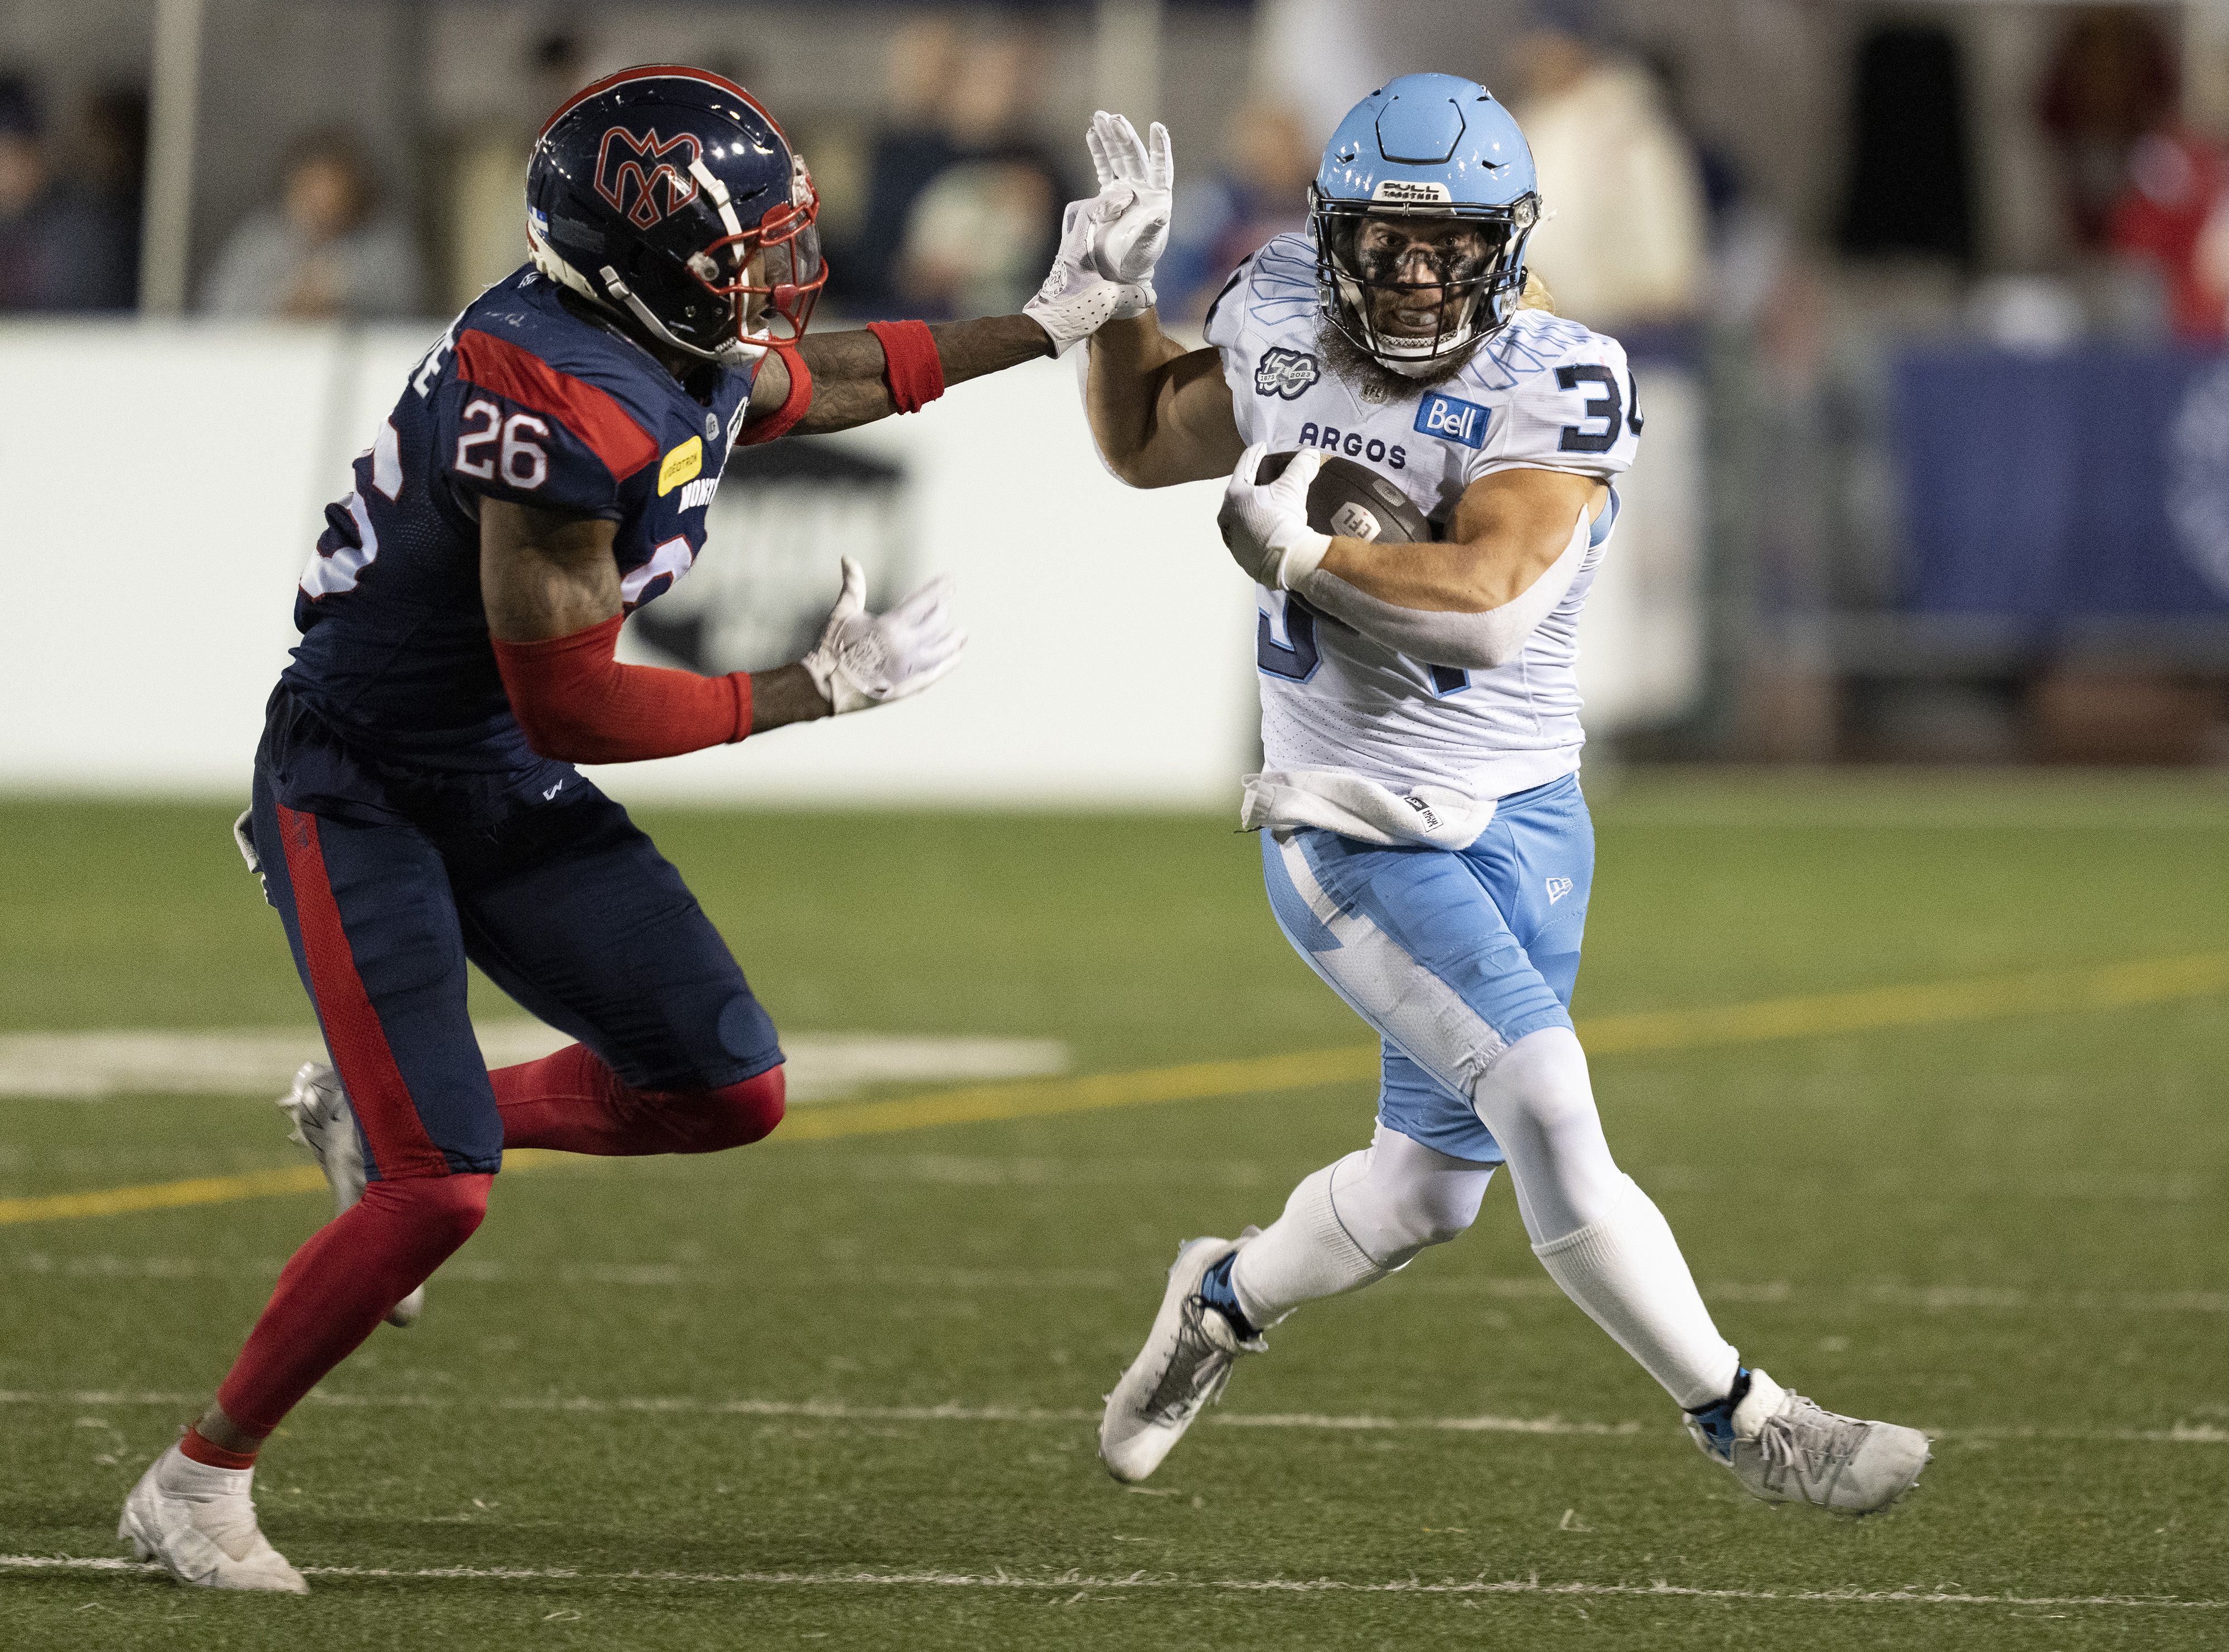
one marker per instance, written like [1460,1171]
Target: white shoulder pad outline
[1560,382]
[1533,342]
[1273,286]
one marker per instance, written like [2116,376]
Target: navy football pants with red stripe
[567,907]
[570,909]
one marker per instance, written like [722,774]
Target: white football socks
[1402,1196]
[1303,1254]
[1627,1272]
[1539,1102]
[1598,1235]
[1353,1223]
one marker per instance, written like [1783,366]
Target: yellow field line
[2150,980]
[162,1195]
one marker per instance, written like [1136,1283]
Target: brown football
[1355,501]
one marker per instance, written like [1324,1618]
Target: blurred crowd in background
[1791,201]
[948,202]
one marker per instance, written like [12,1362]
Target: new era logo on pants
[1557,888]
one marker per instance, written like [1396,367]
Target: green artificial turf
[675,1403]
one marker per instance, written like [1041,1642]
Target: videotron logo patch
[1412,194]
[682,464]
[1452,420]
[1285,372]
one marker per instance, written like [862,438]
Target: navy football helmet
[669,193]
[1426,188]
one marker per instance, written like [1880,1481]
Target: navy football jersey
[521,399]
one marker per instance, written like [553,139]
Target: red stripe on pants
[391,1124]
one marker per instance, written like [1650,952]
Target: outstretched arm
[1160,414]
[851,372]
[1102,276]
[551,590]
[550,586]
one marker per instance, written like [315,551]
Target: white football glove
[1267,527]
[1076,300]
[864,659]
[1125,248]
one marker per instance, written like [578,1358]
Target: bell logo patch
[1451,420]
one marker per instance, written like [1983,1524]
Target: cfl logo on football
[698,492]
[1355,522]
[1452,420]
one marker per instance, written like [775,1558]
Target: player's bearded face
[1421,275]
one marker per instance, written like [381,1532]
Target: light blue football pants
[1464,962]
[1451,956]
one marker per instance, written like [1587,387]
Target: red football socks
[339,1286]
[202,1449]
[572,1101]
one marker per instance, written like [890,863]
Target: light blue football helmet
[1424,146]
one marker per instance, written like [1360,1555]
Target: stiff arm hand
[1137,181]
[1109,244]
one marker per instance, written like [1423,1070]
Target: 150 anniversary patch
[1285,372]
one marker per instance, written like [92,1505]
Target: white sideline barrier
[149,574]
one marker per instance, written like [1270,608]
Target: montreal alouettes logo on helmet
[631,170]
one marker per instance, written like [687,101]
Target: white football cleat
[1784,1449]
[318,1107]
[200,1523]
[1182,1368]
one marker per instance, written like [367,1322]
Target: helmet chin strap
[734,353]
[1412,367]
[618,295]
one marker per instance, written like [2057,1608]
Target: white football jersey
[1541,394]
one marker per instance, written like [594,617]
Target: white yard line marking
[659,1276]
[822,1066]
[2180,1433]
[1075,1580]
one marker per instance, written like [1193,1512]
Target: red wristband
[777,424]
[916,372]
[577,704]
